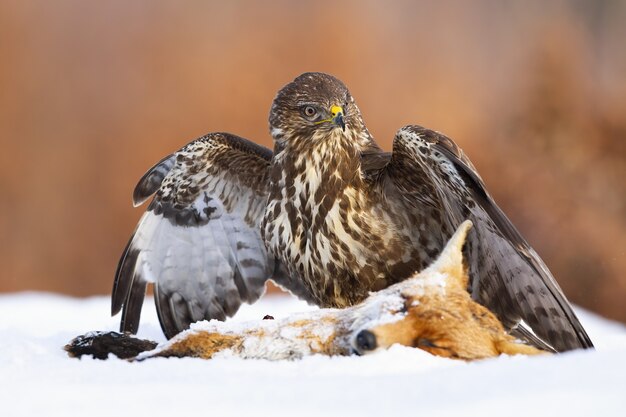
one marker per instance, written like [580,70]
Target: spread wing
[199,239]
[507,275]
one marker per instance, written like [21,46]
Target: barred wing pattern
[199,240]
[508,276]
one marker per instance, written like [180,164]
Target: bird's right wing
[199,239]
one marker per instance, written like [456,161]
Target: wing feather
[508,276]
[152,179]
[199,240]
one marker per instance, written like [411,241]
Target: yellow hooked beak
[336,114]
[336,117]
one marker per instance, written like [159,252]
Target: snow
[38,379]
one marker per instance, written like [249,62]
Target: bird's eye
[310,111]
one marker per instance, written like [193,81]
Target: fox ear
[450,261]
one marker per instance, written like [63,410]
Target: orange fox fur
[431,311]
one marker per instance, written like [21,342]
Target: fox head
[437,314]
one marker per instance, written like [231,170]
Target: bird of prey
[329,216]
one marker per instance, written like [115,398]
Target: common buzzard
[329,216]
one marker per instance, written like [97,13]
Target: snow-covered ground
[38,379]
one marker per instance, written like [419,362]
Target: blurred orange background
[93,93]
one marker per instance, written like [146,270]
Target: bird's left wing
[199,240]
[509,277]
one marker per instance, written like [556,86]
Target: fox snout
[363,342]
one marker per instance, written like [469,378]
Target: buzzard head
[314,106]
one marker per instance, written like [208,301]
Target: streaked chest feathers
[325,224]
